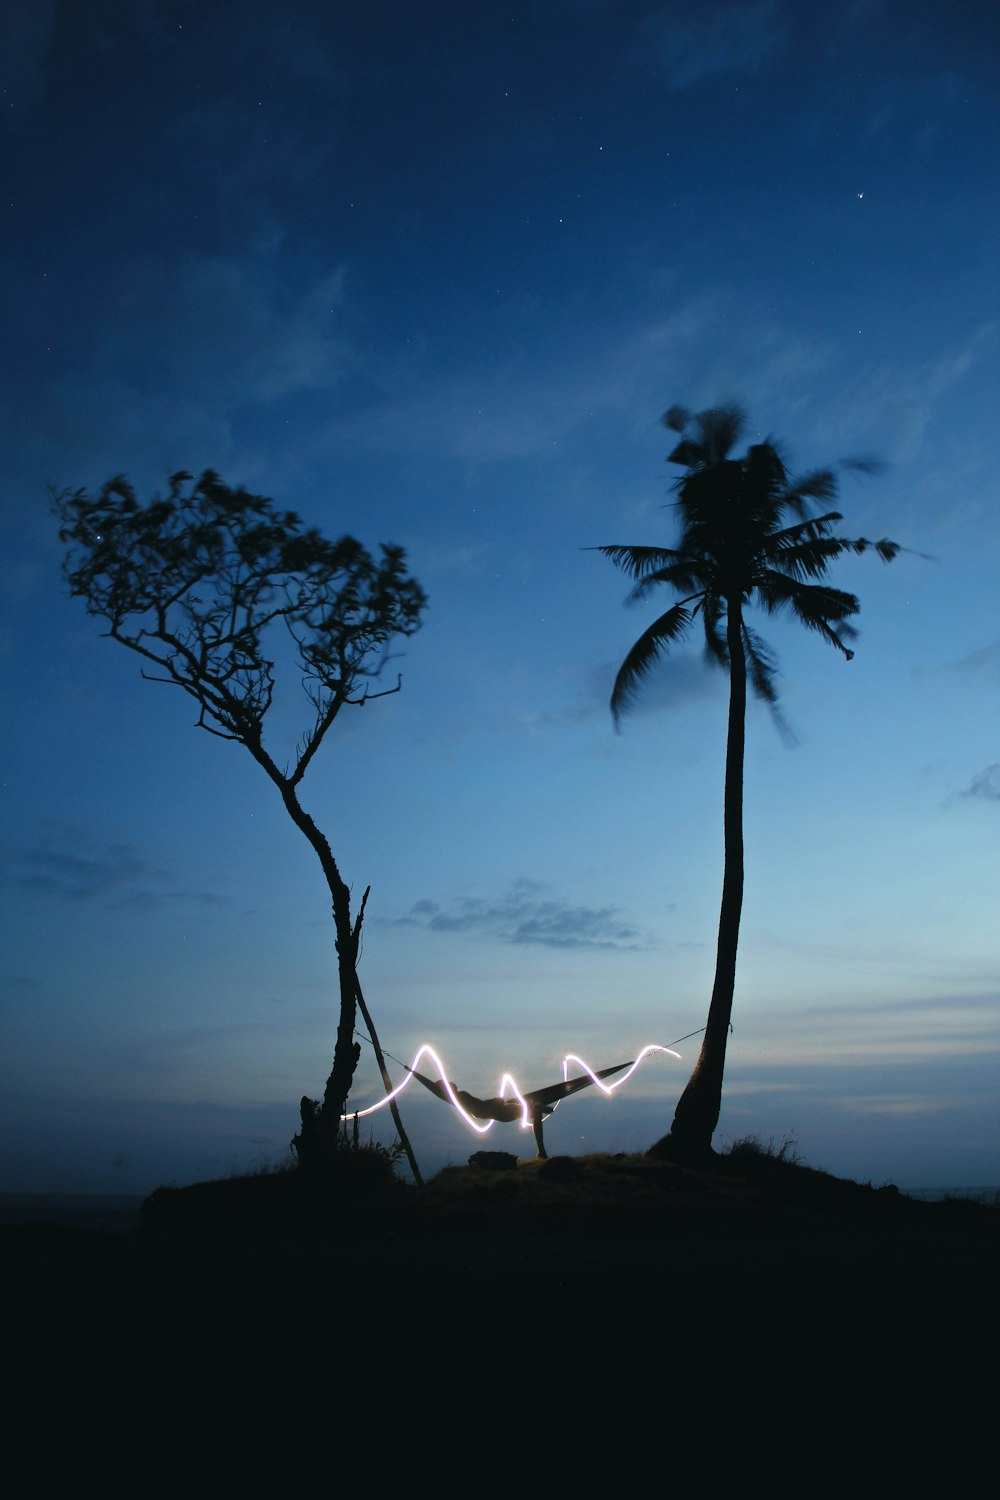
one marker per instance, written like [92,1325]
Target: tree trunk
[321,1126]
[320,1129]
[697,1112]
[318,1137]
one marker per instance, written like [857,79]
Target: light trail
[609,1088]
[508,1082]
[508,1086]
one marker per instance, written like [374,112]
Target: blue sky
[431,273]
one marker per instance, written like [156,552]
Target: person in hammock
[540,1102]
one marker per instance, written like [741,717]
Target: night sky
[431,274]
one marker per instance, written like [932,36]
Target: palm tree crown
[747,537]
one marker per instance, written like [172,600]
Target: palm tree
[747,537]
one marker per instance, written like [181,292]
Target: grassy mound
[812,1336]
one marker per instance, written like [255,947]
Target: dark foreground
[602,1324]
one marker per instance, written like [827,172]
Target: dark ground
[596,1324]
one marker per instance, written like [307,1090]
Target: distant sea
[119,1212]
[110,1212]
[988,1195]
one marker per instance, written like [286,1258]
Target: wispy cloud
[985,785]
[77,876]
[224,338]
[73,863]
[892,406]
[712,40]
[910,111]
[231,331]
[526,914]
[893,1104]
[985,660]
[523,406]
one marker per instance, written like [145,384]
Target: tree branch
[368,697]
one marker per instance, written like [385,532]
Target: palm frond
[806,550]
[816,606]
[709,497]
[642,657]
[676,418]
[638,561]
[716,646]
[812,526]
[886,550]
[786,541]
[680,576]
[688,454]
[809,558]
[766,476]
[712,434]
[720,429]
[777,589]
[762,668]
[864,465]
[820,485]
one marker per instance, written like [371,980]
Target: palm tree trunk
[697,1112]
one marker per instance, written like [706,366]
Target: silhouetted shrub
[750,1150]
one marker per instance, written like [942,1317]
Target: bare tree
[192,582]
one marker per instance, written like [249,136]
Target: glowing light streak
[609,1088]
[508,1086]
[508,1082]
[426,1050]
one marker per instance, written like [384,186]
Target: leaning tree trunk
[317,1138]
[697,1112]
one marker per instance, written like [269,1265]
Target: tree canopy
[748,536]
[193,580]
